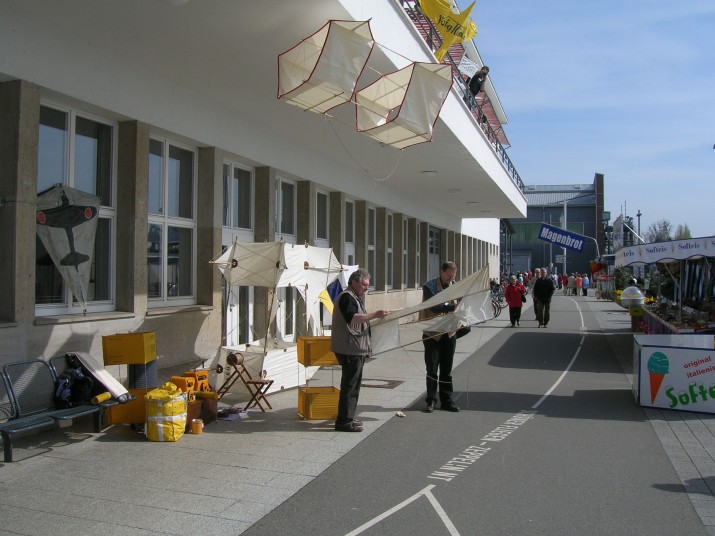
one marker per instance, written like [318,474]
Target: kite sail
[66,222]
[474,307]
[321,71]
[401,108]
[275,265]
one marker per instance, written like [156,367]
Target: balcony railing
[430,35]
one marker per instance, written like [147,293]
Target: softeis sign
[561,237]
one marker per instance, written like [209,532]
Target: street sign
[560,258]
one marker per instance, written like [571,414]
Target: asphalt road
[549,441]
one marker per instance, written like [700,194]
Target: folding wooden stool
[257,388]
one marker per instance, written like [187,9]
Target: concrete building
[167,110]
[582,207]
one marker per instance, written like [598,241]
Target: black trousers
[349,387]
[514,314]
[439,357]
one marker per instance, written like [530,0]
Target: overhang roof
[226,51]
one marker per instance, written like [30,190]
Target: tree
[682,232]
[659,231]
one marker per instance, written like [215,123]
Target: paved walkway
[221,482]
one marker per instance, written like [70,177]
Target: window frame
[280,215]
[166,221]
[106,213]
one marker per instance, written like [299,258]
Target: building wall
[186,334]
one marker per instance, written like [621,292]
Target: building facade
[575,207]
[167,111]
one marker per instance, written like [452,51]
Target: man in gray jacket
[350,342]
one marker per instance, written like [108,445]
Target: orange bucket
[197,426]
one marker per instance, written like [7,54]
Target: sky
[626,89]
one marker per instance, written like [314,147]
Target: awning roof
[674,250]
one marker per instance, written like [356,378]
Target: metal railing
[434,41]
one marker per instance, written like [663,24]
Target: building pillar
[379,279]
[19,127]
[337,225]
[209,222]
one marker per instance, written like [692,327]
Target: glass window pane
[99,283]
[349,222]
[49,287]
[179,262]
[226,195]
[180,183]
[156,171]
[154,263]
[242,198]
[287,208]
[52,149]
[93,158]
[321,227]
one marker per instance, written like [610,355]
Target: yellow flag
[453,27]
[326,301]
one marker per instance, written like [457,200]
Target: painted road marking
[426,492]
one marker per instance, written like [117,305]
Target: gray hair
[358,275]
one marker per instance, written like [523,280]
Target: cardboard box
[129,348]
[132,412]
[318,403]
[315,352]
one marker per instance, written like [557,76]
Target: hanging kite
[453,27]
[67,225]
[401,108]
[321,71]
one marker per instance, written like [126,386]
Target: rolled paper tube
[103,397]
[211,395]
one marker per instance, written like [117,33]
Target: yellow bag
[165,413]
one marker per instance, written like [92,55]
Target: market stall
[689,265]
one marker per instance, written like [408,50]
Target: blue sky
[623,88]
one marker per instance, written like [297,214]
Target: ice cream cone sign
[658,367]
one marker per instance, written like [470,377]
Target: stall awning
[673,250]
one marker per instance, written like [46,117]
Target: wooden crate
[318,403]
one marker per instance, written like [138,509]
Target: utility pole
[639,221]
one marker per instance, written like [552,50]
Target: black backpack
[73,387]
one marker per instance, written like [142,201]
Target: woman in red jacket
[513,293]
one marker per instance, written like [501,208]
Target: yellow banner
[453,27]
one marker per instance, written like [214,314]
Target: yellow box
[202,379]
[315,352]
[129,348]
[132,412]
[318,403]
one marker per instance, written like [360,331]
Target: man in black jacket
[543,290]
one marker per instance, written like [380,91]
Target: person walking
[586,284]
[513,295]
[439,347]
[532,282]
[543,291]
[350,342]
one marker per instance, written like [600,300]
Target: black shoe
[450,406]
[429,408]
[349,427]
[358,423]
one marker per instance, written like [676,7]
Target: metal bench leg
[7,446]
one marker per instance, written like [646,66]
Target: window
[285,207]
[237,197]
[371,224]
[405,243]
[350,233]
[390,239]
[171,250]
[77,150]
[321,216]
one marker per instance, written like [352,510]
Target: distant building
[581,205]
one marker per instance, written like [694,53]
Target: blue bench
[27,402]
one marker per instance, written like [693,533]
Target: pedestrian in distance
[532,282]
[543,291]
[439,347]
[350,342]
[513,296]
[586,284]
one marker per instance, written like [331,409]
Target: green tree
[659,231]
[682,232]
